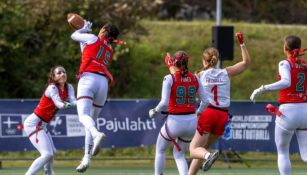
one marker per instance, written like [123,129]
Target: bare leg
[198,149]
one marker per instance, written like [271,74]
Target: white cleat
[97,142]
[85,163]
[211,159]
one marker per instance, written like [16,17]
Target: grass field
[145,167]
[148,171]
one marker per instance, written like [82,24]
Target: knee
[48,156]
[177,154]
[192,150]
[160,150]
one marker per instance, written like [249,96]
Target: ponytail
[182,64]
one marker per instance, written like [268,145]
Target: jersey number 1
[215,97]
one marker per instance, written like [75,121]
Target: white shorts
[31,122]
[294,116]
[93,86]
[180,126]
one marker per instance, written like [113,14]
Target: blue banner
[126,124]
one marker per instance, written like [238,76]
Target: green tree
[35,36]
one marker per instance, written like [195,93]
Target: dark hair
[183,65]
[292,42]
[181,61]
[112,31]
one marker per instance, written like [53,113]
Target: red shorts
[213,121]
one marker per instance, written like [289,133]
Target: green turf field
[149,171]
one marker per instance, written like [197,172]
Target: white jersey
[216,83]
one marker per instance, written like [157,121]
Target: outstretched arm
[284,82]
[242,65]
[82,34]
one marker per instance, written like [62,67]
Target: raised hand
[240,37]
[168,60]
[87,26]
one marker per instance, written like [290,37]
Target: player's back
[216,83]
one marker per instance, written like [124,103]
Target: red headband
[117,41]
[294,51]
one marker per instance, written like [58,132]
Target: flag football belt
[181,113]
[217,108]
[37,129]
[101,74]
[172,139]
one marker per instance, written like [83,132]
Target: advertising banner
[126,124]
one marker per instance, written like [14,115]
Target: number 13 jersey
[216,83]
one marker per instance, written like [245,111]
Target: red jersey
[183,92]
[297,92]
[96,58]
[46,108]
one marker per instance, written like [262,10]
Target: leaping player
[94,82]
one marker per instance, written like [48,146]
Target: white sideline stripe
[71,18]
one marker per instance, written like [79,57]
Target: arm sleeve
[166,92]
[204,100]
[53,93]
[84,38]
[71,95]
[285,77]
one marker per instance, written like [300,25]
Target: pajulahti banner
[126,124]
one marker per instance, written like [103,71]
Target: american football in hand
[75,21]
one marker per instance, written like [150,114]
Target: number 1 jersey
[216,83]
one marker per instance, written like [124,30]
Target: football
[75,21]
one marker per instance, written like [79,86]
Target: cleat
[209,162]
[85,163]
[97,142]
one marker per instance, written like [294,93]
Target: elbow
[288,84]
[285,84]
[72,36]
[246,62]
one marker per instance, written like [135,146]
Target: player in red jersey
[58,95]
[178,98]
[94,82]
[292,101]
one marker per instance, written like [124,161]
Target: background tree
[35,36]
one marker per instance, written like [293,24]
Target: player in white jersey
[292,103]
[212,121]
[58,95]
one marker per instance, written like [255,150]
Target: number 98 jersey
[216,83]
